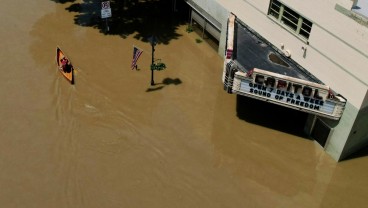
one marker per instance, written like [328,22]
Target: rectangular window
[305,28]
[275,9]
[290,19]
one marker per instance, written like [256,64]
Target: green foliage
[189,29]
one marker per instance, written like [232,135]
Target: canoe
[67,72]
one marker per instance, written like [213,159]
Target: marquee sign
[290,92]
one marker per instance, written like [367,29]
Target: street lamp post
[153,44]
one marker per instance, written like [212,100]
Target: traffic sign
[105,13]
[105,9]
[105,5]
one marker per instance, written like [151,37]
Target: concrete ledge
[359,18]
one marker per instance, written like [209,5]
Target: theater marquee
[290,92]
[255,68]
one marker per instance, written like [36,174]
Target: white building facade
[329,39]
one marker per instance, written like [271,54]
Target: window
[290,19]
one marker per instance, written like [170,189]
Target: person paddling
[65,65]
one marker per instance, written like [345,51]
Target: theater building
[311,56]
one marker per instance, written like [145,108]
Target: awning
[207,16]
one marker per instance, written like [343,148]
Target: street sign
[105,5]
[105,13]
[105,9]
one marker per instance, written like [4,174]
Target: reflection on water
[107,141]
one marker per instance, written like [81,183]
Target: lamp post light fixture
[155,66]
[153,44]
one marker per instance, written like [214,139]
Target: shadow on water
[166,81]
[141,18]
[361,153]
[271,116]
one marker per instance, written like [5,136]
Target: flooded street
[112,140]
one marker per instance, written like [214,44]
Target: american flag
[136,54]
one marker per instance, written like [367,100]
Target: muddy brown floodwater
[112,140]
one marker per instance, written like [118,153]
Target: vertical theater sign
[254,68]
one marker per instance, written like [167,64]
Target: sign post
[106,11]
